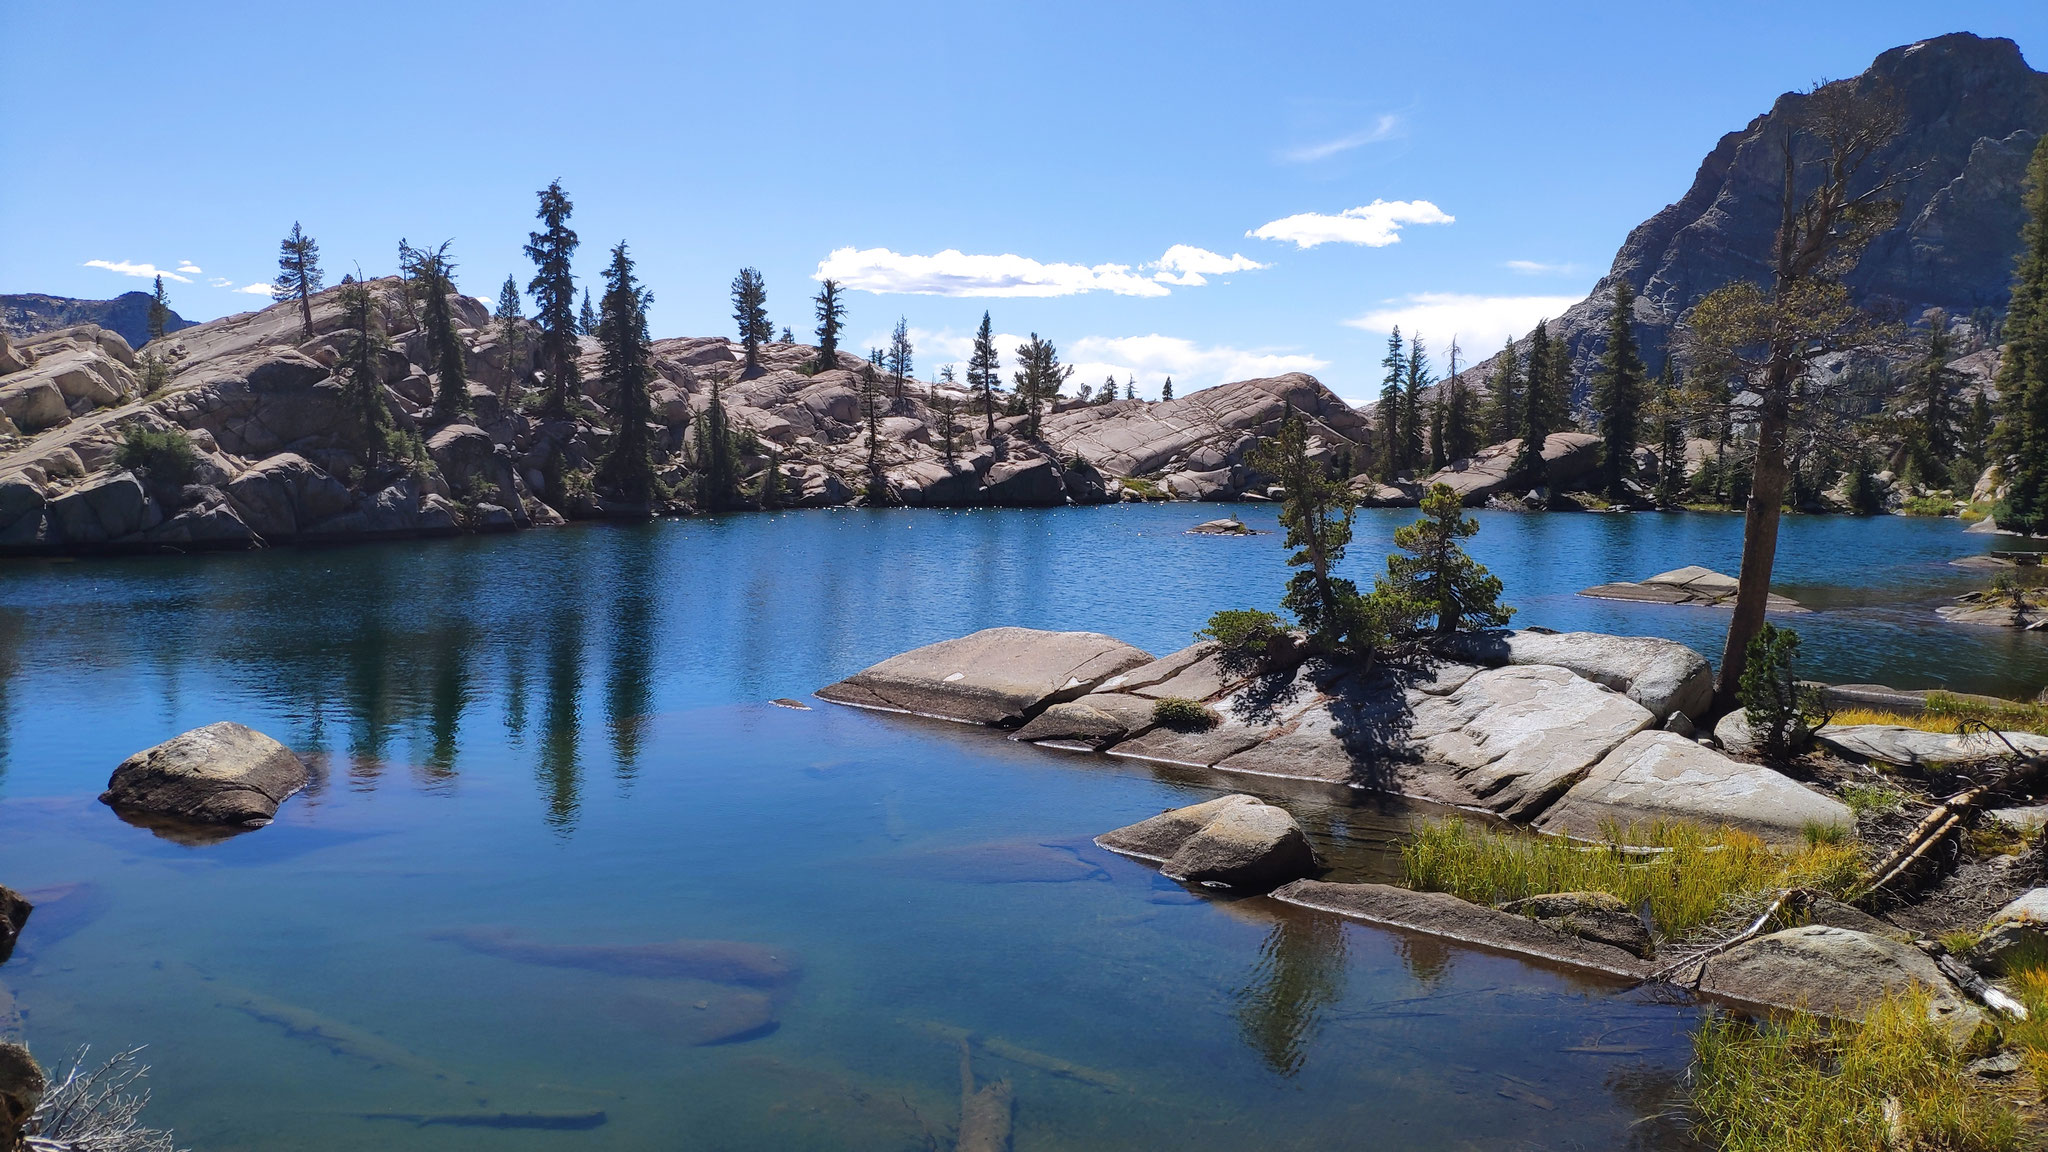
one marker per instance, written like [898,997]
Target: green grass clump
[1801,1084]
[1183,715]
[2014,716]
[1928,506]
[1690,878]
[1871,799]
[1146,489]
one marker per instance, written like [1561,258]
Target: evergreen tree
[1166,389]
[718,476]
[432,277]
[1131,387]
[1317,513]
[1670,439]
[831,311]
[1038,378]
[2023,373]
[1109,391]
[750,312]
[298,274]
[588,323]
[1437,578]
[982,367]
[771,478]
[627,364]
[1557,398]
[159,310]
[554,297]
[1504,415]
[1414,379]
[511,334]
[787,338]
[1973,444]
[947,412]
[1461,423]
[871,414]
[359,368]
[899,356]
[1535,423]
[1392,444]
[1929,408]
[1618,397]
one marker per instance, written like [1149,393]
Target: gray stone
[1236,841]
[1661,675]
[2020,929]
[1443,915]
[1091,723]
[1030,483]
[1733,733]
[995,676]
[1567,457]
[284,494]
[1660,775]
[104,509]
[224,773]
[1223,527]
[1914,748]
[1835,972]
[1596,916]
[1517,738]
[22,1085]
[33,405]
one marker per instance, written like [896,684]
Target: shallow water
[565,735]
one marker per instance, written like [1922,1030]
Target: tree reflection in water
[1299,974]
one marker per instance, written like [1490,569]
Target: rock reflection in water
[1299,974]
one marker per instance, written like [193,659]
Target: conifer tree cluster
[1038,378]
[718,474]
[628,372]
[1618,398]
[431,274]
[2022,439]
[553,288]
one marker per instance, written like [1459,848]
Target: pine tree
[1038,378]
[1535,422]
[718,478]
[750,312]
[511,334]
[871,414]
[771,478]
[831,312]
[1166,389]
[1504,412]
[947,411]
[554,295]
[1317,512]
[298,274]
[1929,401]
[1414,379]
[787,336]
[588,322]
[1130,387]
[1438,430]
[1437,578]
[359,368]
[432,277]
[1392,444]
[1974,442]
[1670,439]
[2023,373]
[628,372]
[899,356]
[982,367]
[159,310]
[1618,397]
[1461,423]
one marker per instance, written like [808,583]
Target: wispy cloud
[145,271]
[1190,267]
[189,268]
[956,273]
[1482,324]
[1386,127]
[1538,268]
[254,289]
[220,282]
[1148,359]
[1374,225]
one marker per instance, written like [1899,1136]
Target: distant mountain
[27,313]
[1973,110]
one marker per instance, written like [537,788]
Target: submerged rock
[721,961]
[224,773]
[1835,972]
[1663,776]
[1444,915]
[1235,841]
[1689,585]
[14,912]
[997,676]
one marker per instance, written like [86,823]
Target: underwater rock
[720,961]
[224,773]
[999,676]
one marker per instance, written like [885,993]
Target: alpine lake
[533,752]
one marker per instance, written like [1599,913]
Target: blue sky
[1159,188]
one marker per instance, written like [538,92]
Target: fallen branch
[1756,927]
[1946,817]
[1980,989]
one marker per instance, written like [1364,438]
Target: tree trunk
[306,309]
[1759,534]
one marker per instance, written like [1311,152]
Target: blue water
[566,734]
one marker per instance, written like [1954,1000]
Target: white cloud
[1149,358]
[1190,267]
[1482,324]
[956,273]
[1374,225]
[1538,268]
[220,282]
[189,268]
[1386,127]
[255,289]
[145,271]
